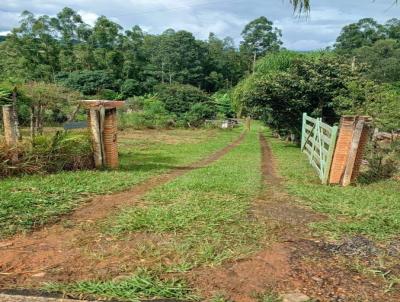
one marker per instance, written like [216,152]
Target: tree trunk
[254,62]
[32,122]
[15,114]
[9,132]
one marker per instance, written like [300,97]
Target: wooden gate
[318,141]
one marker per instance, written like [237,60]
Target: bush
[153,115]
[130,88]
[198,113]
[178,98]
[63,151]
[383,161]
[224,103]
[88,82]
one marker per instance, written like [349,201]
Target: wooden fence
[318,141]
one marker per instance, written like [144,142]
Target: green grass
[205,211]
[372,210]
[30,201]
[142,285]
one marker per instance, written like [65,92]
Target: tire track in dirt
[25,260]
[292,261]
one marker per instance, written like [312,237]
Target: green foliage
[294,84]
[179,98]
[224,103]
[260,37]
[142,285]
[382,60]
[381,102]
[152,115]
[62,152]
[369,209]
[88,82]
[130,88]
[198,113]
[363,33]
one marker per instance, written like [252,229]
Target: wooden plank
[310,119]
[346,180]
[101,103]
[329,156]
[96,138]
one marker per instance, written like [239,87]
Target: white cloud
[88,17]
[223,17]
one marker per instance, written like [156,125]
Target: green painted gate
[318,141]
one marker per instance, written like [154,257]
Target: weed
[142,285]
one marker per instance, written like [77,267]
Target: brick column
[342,149]
[344,158]
[361,146]
[110,138]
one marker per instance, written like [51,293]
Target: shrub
[198,113]
[383,161]
[130,88]
[153,115]
[224,104]
[179,98]
[88,82]
[63,151]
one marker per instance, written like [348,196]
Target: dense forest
[173,79]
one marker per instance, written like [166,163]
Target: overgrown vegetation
[61,152]
[286,84]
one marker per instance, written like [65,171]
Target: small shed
[102,122]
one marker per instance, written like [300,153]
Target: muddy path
[65,251]
[294,261]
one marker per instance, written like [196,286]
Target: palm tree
[301,5]
[304,5]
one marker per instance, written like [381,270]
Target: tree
[44,96]
[363,33]
[260,37]
[382,60]
[309,84]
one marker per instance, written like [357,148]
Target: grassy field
[205,216]
[372,210]
[30,201]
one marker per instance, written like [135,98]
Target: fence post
[331,150]
[10,133]
[96,137]
[303,131]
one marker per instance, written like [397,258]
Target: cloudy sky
[223,17]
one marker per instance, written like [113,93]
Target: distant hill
[2,38]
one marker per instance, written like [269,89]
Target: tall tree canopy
[66,49]
[260,36]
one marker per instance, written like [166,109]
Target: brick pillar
[110,138]
[342,149]
[361,146]
[345,161]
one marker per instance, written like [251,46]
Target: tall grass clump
[64,151]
